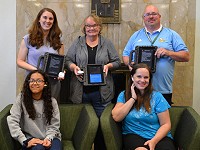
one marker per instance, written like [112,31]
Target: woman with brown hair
[44,36]
[144,114]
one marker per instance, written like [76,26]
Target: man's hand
[162,52]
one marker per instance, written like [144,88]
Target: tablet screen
[95,78]
[54,65]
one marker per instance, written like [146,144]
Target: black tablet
[94,75]
[145,54]
[52,64]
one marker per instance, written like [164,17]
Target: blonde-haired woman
[92,48]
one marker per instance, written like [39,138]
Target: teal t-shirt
[141,122]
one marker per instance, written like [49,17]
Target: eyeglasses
[38,81]
[151,14]
[88,26]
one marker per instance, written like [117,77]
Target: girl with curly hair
[34,118]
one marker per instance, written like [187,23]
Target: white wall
[196,87]
[7,52]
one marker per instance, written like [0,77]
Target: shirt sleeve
[121,97]
[71,54]
[14,121]
[161,104]
[130,45]
[178,43]
[53,129]
[113,55]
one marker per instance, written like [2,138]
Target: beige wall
[176,14]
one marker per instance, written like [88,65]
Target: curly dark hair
[36,37]
[46,96]
[142,99]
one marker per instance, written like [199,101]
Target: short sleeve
[121,97]
[159,103]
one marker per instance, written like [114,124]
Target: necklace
[152,42]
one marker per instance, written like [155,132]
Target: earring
[45,85]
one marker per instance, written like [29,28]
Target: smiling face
[36,85]
[151,17]
[91,27]
[46,21]
[141,79]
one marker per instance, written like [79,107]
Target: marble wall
[176,14]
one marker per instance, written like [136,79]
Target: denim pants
[55,145]
[94,98]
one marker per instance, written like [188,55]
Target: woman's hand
[46,143]
[34,141]
[61,75]
[133,91]
[76,69]
[151,144]
[106,68]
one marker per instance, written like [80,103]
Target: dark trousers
[132,141]
[168,97]
[55,145]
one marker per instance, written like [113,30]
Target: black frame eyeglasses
[151,14]
[38,81]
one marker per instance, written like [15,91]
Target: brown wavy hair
[142,99]
[36,37]
[96,19]
[46,96]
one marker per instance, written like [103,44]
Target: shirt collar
[155,30]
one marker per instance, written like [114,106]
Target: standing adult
[92,48]
[170,45]
[43,36]
[144,113]
[34,118]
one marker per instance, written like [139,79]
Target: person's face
[36,83]
[141,78]
[151,17]
[91,27]
[46,20]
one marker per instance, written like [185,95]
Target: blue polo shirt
[168,39]
[141,122]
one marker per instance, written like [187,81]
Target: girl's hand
[34,141]
[46,143]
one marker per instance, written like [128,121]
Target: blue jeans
[55,145]
[94,98]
